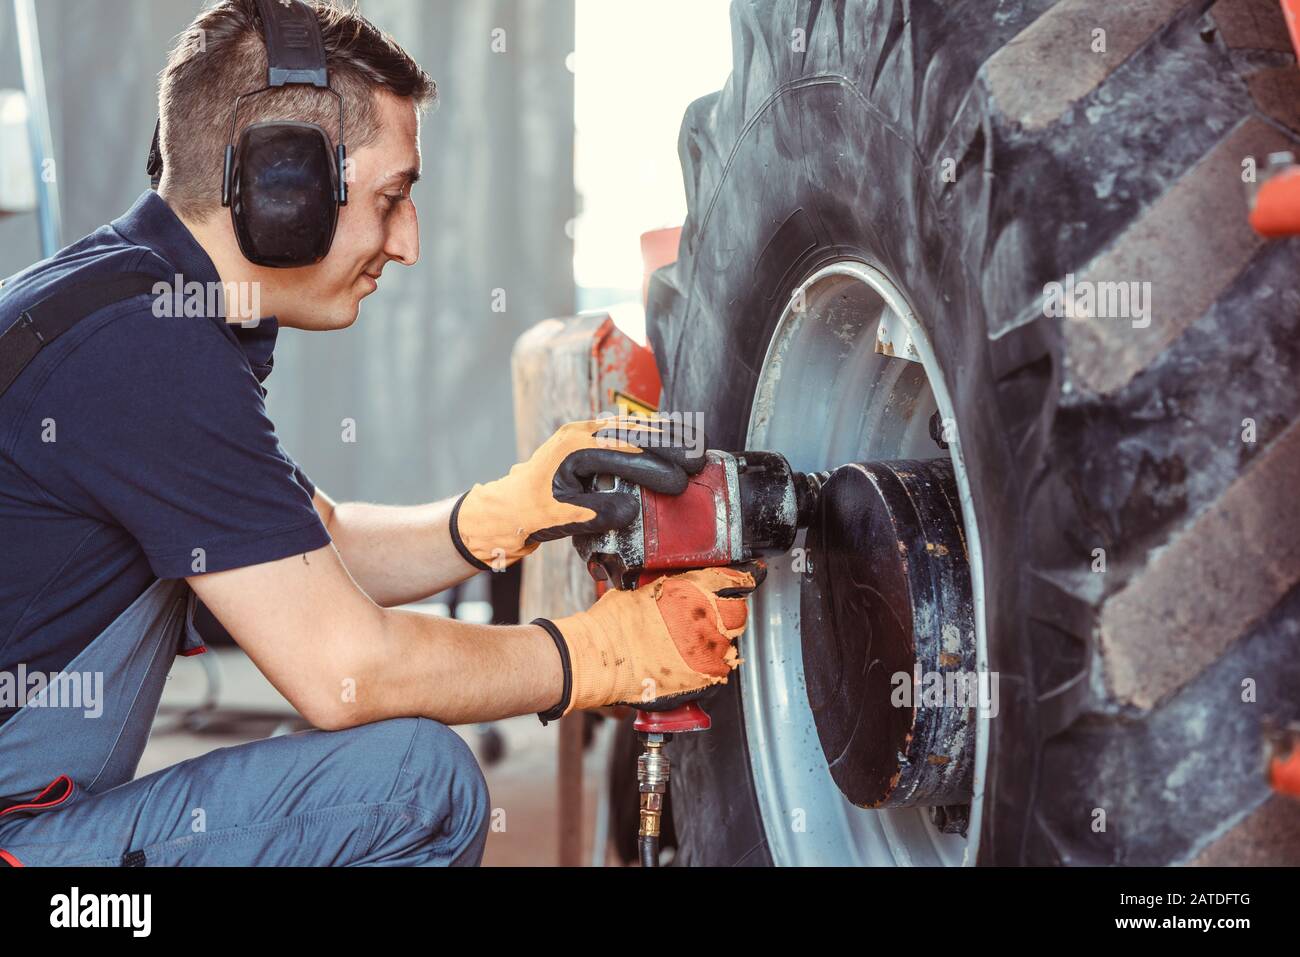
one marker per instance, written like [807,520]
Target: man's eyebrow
[412,175]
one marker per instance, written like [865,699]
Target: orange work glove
[496,524]
[668,638]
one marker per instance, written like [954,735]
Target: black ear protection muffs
[282,182]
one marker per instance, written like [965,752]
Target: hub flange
[889,637]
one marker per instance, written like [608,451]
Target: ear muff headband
[282,182]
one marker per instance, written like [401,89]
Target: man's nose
[403,241]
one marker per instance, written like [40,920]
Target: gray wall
[425,371]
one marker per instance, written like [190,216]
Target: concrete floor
[522,784]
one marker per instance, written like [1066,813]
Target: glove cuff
[459,542]
[561,709]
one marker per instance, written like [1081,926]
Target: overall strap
[54,315]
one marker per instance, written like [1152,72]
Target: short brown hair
[222,54]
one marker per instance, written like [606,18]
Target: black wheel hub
[888,635]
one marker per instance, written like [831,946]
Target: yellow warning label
[627,405]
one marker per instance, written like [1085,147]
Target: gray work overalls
[402,791]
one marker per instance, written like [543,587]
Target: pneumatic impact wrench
[738,508]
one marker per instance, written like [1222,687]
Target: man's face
[378,225]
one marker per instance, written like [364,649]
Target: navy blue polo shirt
[131,441]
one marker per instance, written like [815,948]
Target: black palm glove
[549,496]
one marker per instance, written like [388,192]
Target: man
[139,471]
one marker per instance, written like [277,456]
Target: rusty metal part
[893,338]
[565,370]
[889,638]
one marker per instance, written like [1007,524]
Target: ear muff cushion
[284,202]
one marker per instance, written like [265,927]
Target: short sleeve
[161,429]
[302,479]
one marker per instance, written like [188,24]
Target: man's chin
[339,317]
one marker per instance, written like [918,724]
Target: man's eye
[394,198]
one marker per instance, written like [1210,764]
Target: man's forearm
[342,660]
[397,554]
[452,671]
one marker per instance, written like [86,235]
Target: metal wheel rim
[825,397]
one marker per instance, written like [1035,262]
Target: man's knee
[439,795]
[444,765]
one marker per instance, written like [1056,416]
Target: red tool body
[735,509]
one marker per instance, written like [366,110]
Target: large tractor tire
[1128,480]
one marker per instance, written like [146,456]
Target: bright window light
[636,68]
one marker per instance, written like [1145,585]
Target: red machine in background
[1275,201]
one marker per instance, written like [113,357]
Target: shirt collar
[151,222]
